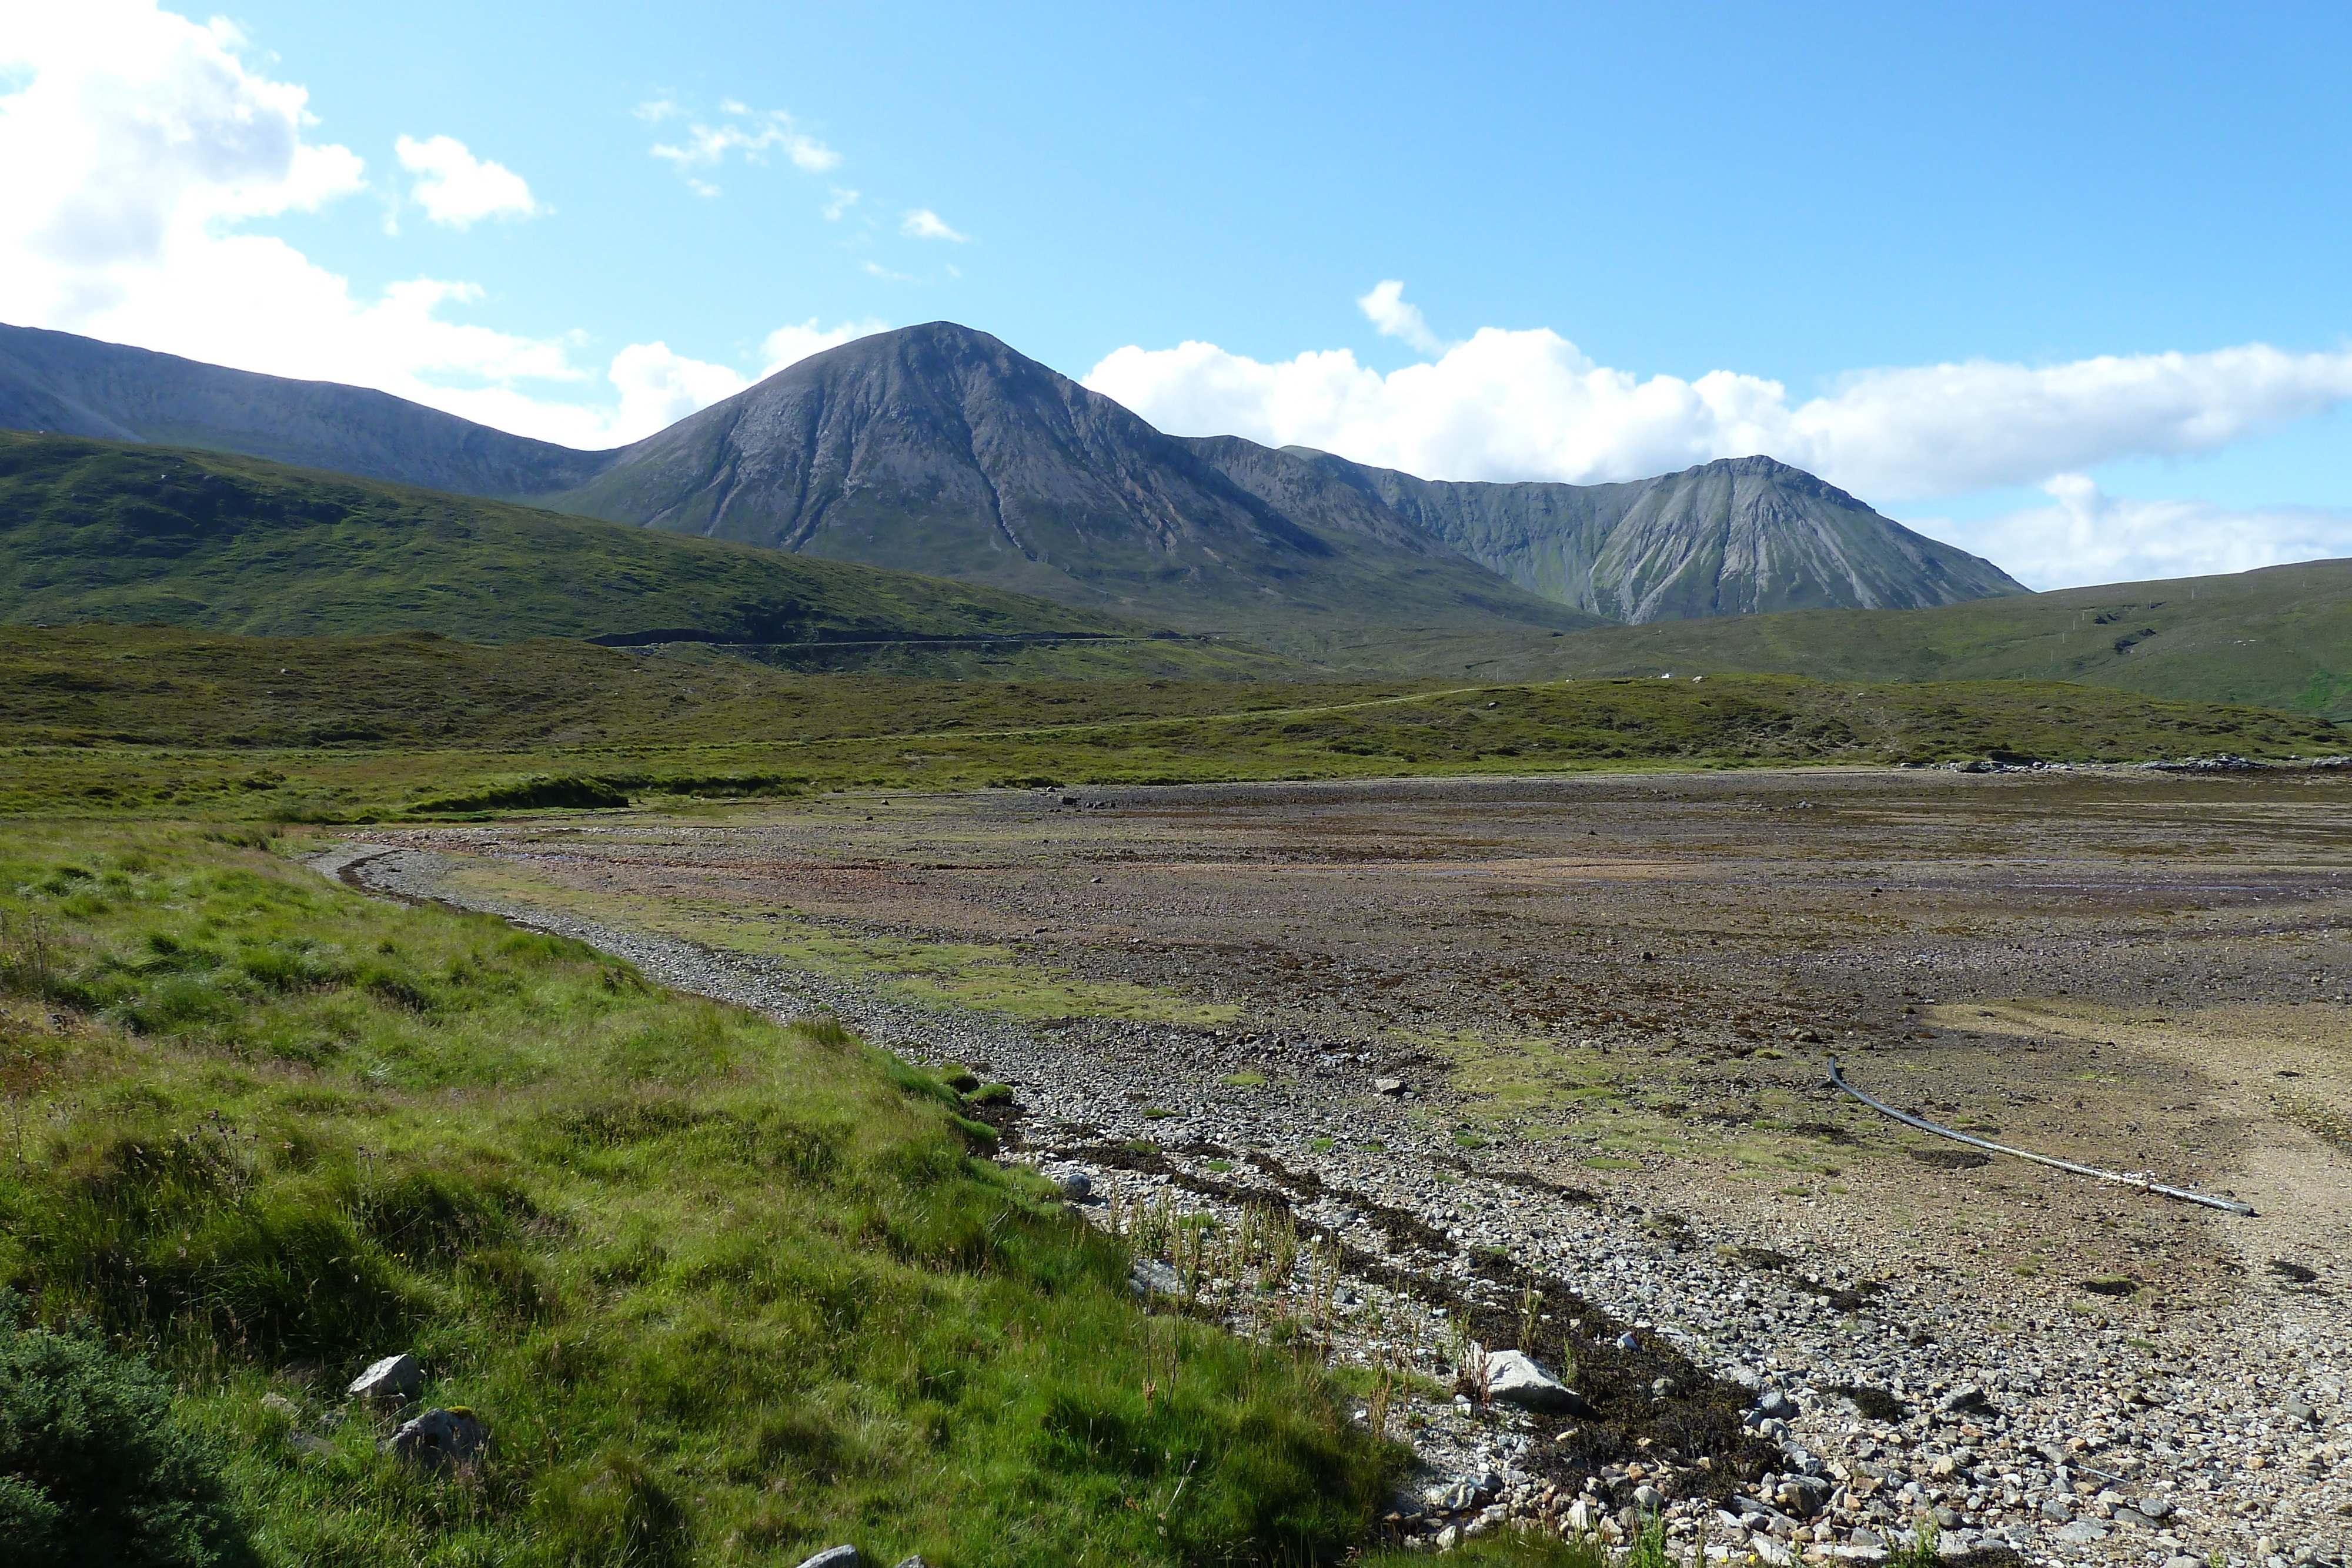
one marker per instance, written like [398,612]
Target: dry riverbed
[1544,1059]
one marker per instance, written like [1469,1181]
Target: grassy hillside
[146,686]
[723,1289]
[95,530]
[2279,637]
[334,729]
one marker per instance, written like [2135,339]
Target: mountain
[937,448]
[2278,637]
[1741,536]
[94,530]
[61,384]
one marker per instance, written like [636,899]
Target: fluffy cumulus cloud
[924,224]
[140,147]
[1386,309]
[459,190]
[145,149]
[1530,405]
[735,130]
[2085,536]
[659,388]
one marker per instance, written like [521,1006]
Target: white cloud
[128,130]
[876,270]
[141,146]
[843,200]
[789,345]
[1530,405]
[458,189]
[1386,308]
[924,224]
[659,387]
[753,134]
[2086,536]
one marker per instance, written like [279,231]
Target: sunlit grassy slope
[157,721]
[166,687]
[94,530]
[2279,637]
[723,1289]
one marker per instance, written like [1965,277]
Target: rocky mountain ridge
[939,449]
[1739,536]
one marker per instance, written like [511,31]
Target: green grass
[964,973]
[2279,637]
[107,730]
[93,530]
[168,686]
[724,1289]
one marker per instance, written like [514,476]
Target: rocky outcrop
[1736,537]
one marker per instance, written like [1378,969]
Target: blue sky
[1794,195]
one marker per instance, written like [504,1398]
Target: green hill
[154,686]
[2279,637]
[108,719]
[93,530]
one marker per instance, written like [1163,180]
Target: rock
[1077,1187]
[1387,1085]
[1448,1538]
[1777,1406]
[1455,1497]
[1513,1379]
[2158,1509]
[1771,1550]
[1804,1495]
[2299,1412]
[1868,1539]
[2081,1533]
[1648,1499]
[309,1443]
[1966,1397]
[1150,1277]
[2056,1511]
[1628,1342]
[833,1557]
[394,1377]
[278,1405]
[439,1438]
[2184,1562]
[917,1562]
[2127,1514]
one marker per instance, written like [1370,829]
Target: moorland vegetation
[723,1289]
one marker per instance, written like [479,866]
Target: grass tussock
[724,1289]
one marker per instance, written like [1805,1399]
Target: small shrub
[824,1028]
[569,791]
[612,1512]
[95,1472]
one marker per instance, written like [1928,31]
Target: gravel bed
[1890,1394]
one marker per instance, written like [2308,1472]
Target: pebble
[2011,1416]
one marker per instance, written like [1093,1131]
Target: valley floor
[1608,1002]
